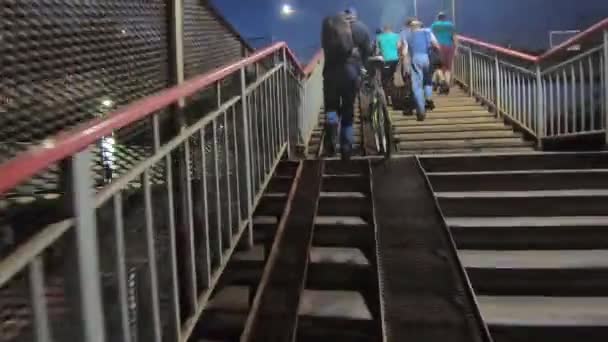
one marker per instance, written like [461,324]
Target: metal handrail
[312,102]
[175,217]
[595,29]
[65,144]
[545,96]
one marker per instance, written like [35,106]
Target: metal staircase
[459,124]
[532,233]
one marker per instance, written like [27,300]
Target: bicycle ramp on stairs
[458,124]
[424,290]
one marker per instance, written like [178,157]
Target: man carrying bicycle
[346,43]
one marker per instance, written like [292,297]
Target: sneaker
[429,105]
[420,116]
[330,141]
[346,152]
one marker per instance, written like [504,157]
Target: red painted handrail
[313,63]
[38,158]
[600,26]
[499,49]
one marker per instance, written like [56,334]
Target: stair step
[524,203]
[335,316]
[351,232]
[345,183]
[464,143]
[457,108]
[454,100]
[487,119]
[530,221]
[529,161]
[526,233]
[494,126]
[544,311]
[519,180]
[537,272]
[456,151]
[534,259]
[339,268]
[399,117]
[337,304]
[231,298]
[457,135]
[338,255]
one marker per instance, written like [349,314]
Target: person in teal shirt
[388,45]
[445,32]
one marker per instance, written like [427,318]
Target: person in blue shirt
[445,32]
[388,46]
[419,41]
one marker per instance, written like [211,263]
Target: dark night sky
[523,23]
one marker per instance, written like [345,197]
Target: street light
[287,10]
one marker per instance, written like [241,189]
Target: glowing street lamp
[287,10]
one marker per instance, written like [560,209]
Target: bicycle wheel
[385,126]
[388,132]
[379,129]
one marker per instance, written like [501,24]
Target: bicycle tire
[374,121]
[388,132]
[386,125]
[379,127]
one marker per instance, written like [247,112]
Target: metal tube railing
[545,96]
[312,101]
[151,243]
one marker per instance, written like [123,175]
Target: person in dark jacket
[341,79]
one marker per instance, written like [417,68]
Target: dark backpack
[434,55]
[337,37]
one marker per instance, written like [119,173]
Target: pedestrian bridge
[194,206]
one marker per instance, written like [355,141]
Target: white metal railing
[138,255]
[549,96]
[312,101]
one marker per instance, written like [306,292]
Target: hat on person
[416,23]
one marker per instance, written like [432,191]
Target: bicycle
[378,107]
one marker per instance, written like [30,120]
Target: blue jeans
[421,81]
[340,83]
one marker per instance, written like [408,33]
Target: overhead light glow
[287,10]
[107,103]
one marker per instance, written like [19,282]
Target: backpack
[434,56]
[337,37]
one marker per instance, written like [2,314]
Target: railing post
[471,71]
[176,55]
[286,102]
[497,89]
[86,245]
[248,171]
[540,108]
[605,85]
